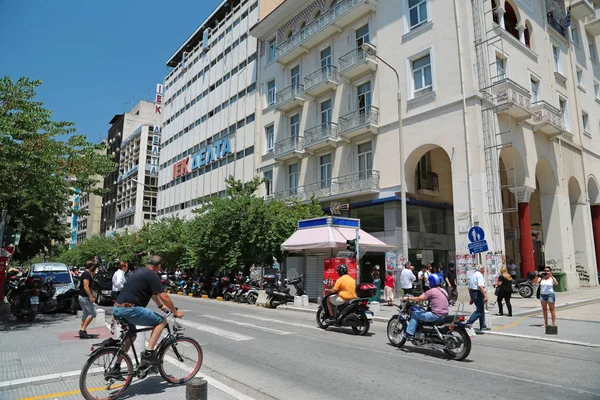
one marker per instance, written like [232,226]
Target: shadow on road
[427,352]
[153,385]
[9,323]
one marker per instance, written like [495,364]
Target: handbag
[497,291]
[537,293]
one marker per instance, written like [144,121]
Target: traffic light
[351,245]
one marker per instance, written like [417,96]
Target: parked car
[58,289]
[102,287]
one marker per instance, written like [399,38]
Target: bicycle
[105,381]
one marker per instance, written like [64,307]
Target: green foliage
[40,168]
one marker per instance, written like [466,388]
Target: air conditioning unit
[147,202]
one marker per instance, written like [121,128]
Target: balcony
[364,182]
[357,64]
[556,25]
[329,23]
[511,99]
[289,148]
[321,81]
[592,23]
[581,8]
[289,98]
[358,122]
[547,119]
[321,136]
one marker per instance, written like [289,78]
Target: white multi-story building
[209,110]
[500,125]
[137,181]
[88,224]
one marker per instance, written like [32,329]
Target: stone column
[501,11]
[523,194]
[521,29]
[596,228]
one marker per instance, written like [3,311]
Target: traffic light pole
[358,254]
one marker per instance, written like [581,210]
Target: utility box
[562,281]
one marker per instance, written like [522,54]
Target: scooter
[57,297]
[354,313]
[523,286]
[25,300]
[278,294]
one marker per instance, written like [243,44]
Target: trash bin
[562,282]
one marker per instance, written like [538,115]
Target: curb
[558,307]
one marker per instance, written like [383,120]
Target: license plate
[470,331]
[369,315]
[34,300]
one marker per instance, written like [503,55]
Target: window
[362,36]
[268,175]
[365,159]
[295,76]
[293,177]
[426,179]
[579,74]
[295,126]
[326,110]
[592,48]
[597,91]
[270,138]
[364,96]
[272,50]
[562,103]
[271,93]
[585,120]
[574,35]
[535,90]
[326,57]
[421,69]
[417,10]
[325,163]
[500,68]
[556,54]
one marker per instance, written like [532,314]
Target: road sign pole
[358,254]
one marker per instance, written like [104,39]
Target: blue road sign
[480,246]
[476,234]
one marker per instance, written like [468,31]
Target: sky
[95,57]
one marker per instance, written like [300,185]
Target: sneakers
[330,321]
[150,357]
[408,336]
[115,373]
[485,328]
[83,335]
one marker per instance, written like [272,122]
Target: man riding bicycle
[131,305]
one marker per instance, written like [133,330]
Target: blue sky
[94,57]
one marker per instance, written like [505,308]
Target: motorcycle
[24,300]
[448,334]
[523,286]
[57,297]
[354,313]
[251,295]
[277,294]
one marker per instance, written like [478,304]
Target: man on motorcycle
[343,290]
[438,300]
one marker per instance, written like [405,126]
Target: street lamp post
[371,50]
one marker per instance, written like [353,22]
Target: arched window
[495,13]
[289,35]
[527,34]
[510,20]
[302,25]
[317,15]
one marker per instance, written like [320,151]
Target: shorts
[388,293]
[548,298]
[87,307]
[336,300]
[137,316]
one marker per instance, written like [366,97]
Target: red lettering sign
[181,168]
[158,109]
[158,98]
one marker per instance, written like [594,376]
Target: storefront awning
[331,233]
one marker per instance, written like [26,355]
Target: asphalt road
[277,354]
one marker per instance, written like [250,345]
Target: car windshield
[57,277]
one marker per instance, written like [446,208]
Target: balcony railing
[354,57]
[367,180]
[328,72]
[364,116]
[430,182]
[289,93]
[294,143]
[556,25]
[544,112]
[324,20]
[327,130]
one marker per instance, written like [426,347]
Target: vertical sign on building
[158,98]
[75,221]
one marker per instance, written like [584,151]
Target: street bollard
[297,301]
[196,389]
[304,300]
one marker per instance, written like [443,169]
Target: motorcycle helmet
[342,269]
[435,280]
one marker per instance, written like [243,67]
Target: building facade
[209,110]
[499,104]
[88,224]
[113,143]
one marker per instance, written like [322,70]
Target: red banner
[330,274]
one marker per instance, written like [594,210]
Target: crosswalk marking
[216,331]
[260,328]
[276,320]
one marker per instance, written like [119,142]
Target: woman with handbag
[504,291]
[546,294]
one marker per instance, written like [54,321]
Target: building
[122,126]
[137,181]
[88,224]
[209,110]
[499,108]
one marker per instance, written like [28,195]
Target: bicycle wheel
[96,382]
[181,361]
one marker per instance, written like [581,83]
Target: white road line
[277,321]
[38,380]
[216,331]
[260,328]
[211,381]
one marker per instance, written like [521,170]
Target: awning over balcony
[331,233]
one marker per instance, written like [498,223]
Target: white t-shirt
[547,286]
[476,281]
[426,274]
[407,278]
[118,280]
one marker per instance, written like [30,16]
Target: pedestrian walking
[119,279]
[390,286]
[377,282]
[451,284]
[547,282]
[407,277]
[86,299]
[512,269]
[478,297]
[504,291]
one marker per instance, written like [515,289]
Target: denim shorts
[548,298]
[87,307]
[137,316]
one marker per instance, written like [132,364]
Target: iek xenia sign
[213,152]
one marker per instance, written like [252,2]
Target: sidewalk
[578,317]
[43,359]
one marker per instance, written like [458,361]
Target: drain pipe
[465,114]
